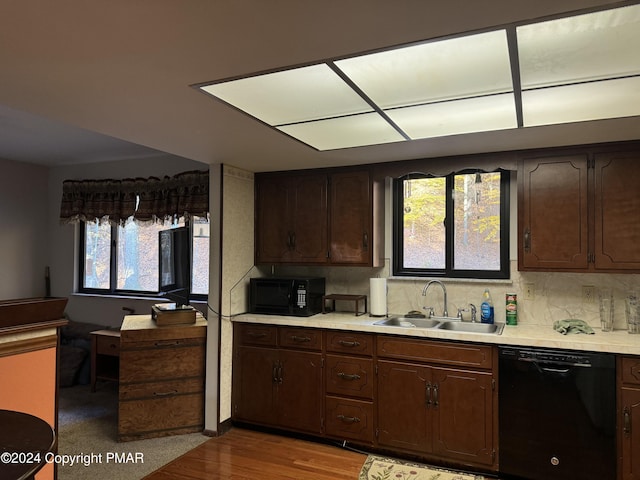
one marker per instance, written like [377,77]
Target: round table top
[24,442]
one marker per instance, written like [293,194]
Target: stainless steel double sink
[442,323]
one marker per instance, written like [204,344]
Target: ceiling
[88,81]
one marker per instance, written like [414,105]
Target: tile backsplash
[552,296]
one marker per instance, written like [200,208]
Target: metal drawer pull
[165,394]
[428,394]
[167,344]
[256,334]
[347,376]
[627,421]
[296,338]
[346,343]
[349,419]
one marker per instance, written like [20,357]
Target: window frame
[113,274]
[449,272]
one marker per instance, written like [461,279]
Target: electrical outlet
[588,293]
[529,291]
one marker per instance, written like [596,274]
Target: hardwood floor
[250,455]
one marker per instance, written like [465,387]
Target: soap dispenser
[486,307]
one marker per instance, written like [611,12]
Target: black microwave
[301,297]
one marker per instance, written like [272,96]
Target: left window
[123,259]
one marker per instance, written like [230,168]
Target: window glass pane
[200,270]
[477,221]
[137,256]
[423,223]
[97,252]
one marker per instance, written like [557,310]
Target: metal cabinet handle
[365,240]
[256,334]
[296,338]
[348,419]
[346,376]
[280,373]
[274,372]
[165,394]
[627,421]
[168,344]
[428,394]
[527,240]
[435,395]
[345,343]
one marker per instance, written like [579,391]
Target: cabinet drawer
[160,416]
[304,338]
[253,334]
[107,345]
[350,376]
[349,419]
[161,389]
[349,342]
[161,364]
[448,353]
[631,370]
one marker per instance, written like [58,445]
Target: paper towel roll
[378,297]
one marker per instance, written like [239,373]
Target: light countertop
[618,341]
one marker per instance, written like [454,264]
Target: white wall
[24,236]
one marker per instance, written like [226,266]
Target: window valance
[141,199]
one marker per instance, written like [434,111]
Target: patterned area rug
[382,468]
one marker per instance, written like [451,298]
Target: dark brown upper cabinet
[327,217]
[579,211]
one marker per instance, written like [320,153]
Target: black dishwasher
[557,414]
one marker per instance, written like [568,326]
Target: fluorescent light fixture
[450,69]
[582,102]
[572,69]
[480,114]
[344,132]
[291,96]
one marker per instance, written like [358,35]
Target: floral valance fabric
[141,199]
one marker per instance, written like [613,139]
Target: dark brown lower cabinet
[275,386]
[431,399]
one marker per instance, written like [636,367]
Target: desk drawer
[161,416]
[161,364]
[155,390]
[106,345]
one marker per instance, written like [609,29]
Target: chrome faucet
[445,313]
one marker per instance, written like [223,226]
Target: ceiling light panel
[481,114]
[582,102]
[582,48]
[441,70]
[290,96]
[345,132]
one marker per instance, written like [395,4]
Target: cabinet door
[463,424]
[309,227]
[291,213]
[351,234]
[254,385]
[300,391]
[273,220]
[405,404]
[630,428]
[552,213]
[617,203]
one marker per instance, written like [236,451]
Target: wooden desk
[25,441]
[105,356]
